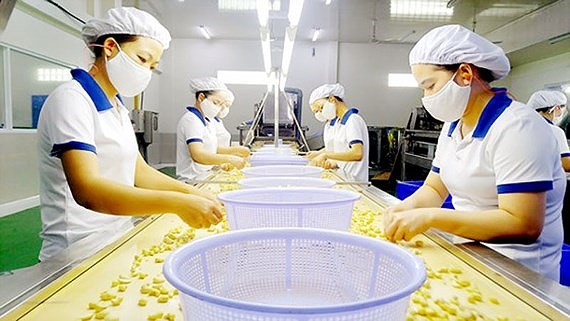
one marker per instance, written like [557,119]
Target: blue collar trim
[93,89]
[197,112]
[548,120]
[492,111]
[217,119]
[333,121]
[347,114]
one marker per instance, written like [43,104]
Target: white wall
[190,58]
[363,70]
[528,78]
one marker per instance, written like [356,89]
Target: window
[31,80]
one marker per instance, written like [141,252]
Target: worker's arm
[149,178]
[314,153]
[353,154]
[200,155]
[566,163]
[240,151]
[519,219]
[431,194]
[102,195]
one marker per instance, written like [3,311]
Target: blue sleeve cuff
[356,141]
[194,140]
[435,169]
[565,155]
[539,186]
[58,149]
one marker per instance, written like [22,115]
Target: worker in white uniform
[495,156]
[92,177]
[222,133]
[197,146]
[551,105]
[345,134]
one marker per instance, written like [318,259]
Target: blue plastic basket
[565,265]
[407,188]
[293,274]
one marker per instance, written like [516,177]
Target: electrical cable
[57,5]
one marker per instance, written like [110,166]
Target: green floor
[19,239]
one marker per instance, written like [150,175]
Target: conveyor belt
[459,287]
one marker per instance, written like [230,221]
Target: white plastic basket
[277,159]
[293,275]
[264,182]
[289,207]
[282,171]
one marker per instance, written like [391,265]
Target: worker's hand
[241,151]
[226,167]
[404,225]
[236,161]
[318,161]
[330,164]
[312,154]
[200,212]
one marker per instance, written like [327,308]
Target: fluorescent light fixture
[266,50]
[295,9]
[316,34]
[327,2]
[243,77]
[53,74]
[205,32]
[401,80]
[262,12]
[236,5]
[433,10]
[288,50]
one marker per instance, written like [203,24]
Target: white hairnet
[126,20]
[325,91]
[546,98]
[207,84]
[455,44]
[229,96]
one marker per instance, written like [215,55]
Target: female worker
[345,134]
[494,155]
[197,147]
[551,105]
[92,177]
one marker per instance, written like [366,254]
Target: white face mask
[559,119]
[209,109]
[126,75]
[224,112]
[329,110]
[319,116]
[449,103]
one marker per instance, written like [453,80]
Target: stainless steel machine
[145,124]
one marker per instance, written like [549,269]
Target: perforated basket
[289,207]
[282,171]
[292,275]
[264,182]
[277,159]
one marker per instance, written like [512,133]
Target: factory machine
[262,127]
[419,144]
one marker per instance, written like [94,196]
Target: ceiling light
[327,2]
[435,10]
[262,12]
[205,32]
[316,34]
[295,9]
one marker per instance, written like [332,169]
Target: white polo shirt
[223,135]
[560,136]
[328,134]
[509,151]
[193,127]
[78,115]
[351,129]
